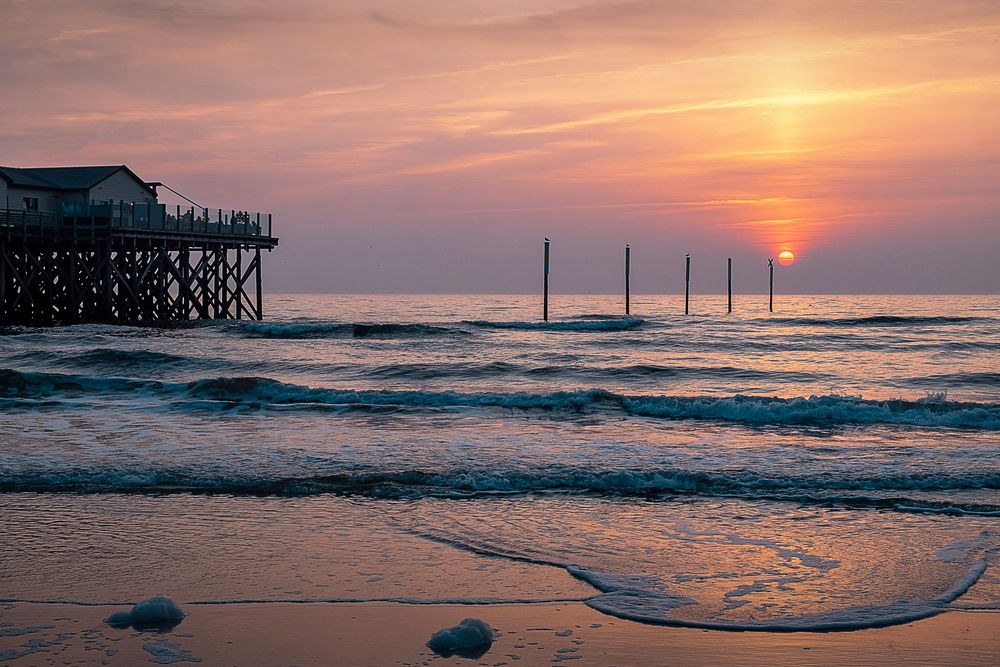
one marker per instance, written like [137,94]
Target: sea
[833,465]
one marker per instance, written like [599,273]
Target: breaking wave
[343,330]
[874,320]
[604,324]
[819,411]
[477,370]
[105,357]
[984,379]
[894,492]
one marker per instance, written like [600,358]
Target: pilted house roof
[64,178]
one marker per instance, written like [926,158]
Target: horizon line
[634,294]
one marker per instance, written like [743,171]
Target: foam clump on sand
[470,633]
[157,610]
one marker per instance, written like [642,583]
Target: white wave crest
[620,324]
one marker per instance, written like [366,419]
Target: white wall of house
[120,186]
[48,200]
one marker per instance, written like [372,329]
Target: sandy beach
[395,634]
[317,492]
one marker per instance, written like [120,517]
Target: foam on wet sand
[155,611]
[471,634]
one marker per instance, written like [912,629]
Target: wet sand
[395,634]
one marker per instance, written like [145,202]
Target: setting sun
[786,258]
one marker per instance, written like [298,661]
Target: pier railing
[78,220]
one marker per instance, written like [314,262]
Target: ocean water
[831,466]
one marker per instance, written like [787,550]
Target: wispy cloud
[598,206]
[466,163]
[227,110]
[78,33]
[804,98]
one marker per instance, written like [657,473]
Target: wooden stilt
[729,283]
[628,272]
[260,292]
[770,290]
[687,283]
[239,284]
[545,284]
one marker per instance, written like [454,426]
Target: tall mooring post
[770,289]
[687,282]
[545,283]
[729,283]
[628,272]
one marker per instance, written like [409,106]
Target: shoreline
[381,633]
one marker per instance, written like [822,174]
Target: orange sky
[428,146]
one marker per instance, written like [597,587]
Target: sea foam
[344,329]
[874,320]
[605,324]
[654,608]
[154,612]
[896,492]
[470,633]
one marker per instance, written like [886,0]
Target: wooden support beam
[184,282]
[107,287]
[127,287]
[260,292]
[64,277]
[239,283]
[4,313]
[186,293]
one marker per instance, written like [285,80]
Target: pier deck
[131,263]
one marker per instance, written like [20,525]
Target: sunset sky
[429,146]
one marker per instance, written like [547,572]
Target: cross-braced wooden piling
[140,263]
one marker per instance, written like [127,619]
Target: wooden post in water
[628,271]
[545,284]
[687,282]
[770,291]
[729,283]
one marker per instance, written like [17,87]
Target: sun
[786,258]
